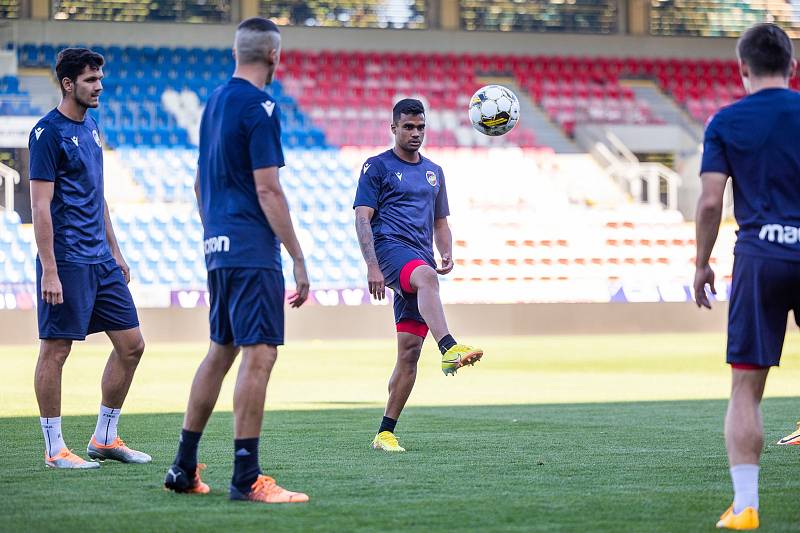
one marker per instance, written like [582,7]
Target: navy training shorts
[96,298]
[397,262]
[246,306]
[762,294]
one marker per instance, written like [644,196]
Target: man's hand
[702,276]
[52,293]
[447,265]
[377,287]
[301,284]
[126,271]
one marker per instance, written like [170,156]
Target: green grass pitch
[600,433]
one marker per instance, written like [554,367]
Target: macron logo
[75,140]
[399,175]
[38,132]
[366,166]
[217,244]
[781,234]
[269,107]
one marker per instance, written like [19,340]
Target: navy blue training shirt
[756,141]
[240,132]
[406,197]
[69,153]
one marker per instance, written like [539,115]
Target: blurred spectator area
[407,14]
[142,11]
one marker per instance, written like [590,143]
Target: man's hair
[407,106]
[71,62]
[255,37]
[766,50]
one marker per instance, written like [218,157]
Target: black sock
[387,424]
[187,450]
[446,343]
[245,463]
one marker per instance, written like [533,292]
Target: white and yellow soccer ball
[494,110]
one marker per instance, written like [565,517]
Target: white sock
[745,487]
[53,441]
[106,430]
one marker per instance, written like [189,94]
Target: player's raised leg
[184,474]
[53,354]
[424,281]
[409,348]
[744,439]
[117,377]
[248,482]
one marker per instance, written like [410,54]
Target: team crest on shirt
[96,138]
[431,177]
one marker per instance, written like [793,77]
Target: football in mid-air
[494,110]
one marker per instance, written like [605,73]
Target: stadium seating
[13,100]
[137,79]
[561,219]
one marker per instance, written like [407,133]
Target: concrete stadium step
[547,133]
[664,107]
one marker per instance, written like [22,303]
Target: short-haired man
[81,274]
[245,219]
[755,142]
[401,208]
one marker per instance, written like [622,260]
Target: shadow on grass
[644,466]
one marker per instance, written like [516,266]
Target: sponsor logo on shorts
[431,177]
[780,234]
[220,243]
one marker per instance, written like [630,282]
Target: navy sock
[446,343]
[387,424]
[187,450]
[245,463]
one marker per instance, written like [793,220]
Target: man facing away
[80,272]
[401,208]
[245,219]
[756,142]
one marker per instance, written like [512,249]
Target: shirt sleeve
[714,158]
[441,208]
[265,135]
[44,145]
[369,186]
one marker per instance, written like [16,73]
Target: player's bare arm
[275,207]
[375,280]
[197,193]
[41,197]
[111,237]
[444,243]
[708,217]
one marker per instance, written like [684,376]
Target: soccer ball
[494,110]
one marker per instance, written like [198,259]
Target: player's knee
[425,277]
[56,351]
[135,350]
[410,353]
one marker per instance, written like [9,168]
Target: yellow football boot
[747,519]
[386,441]
[793,438]
[458,356]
